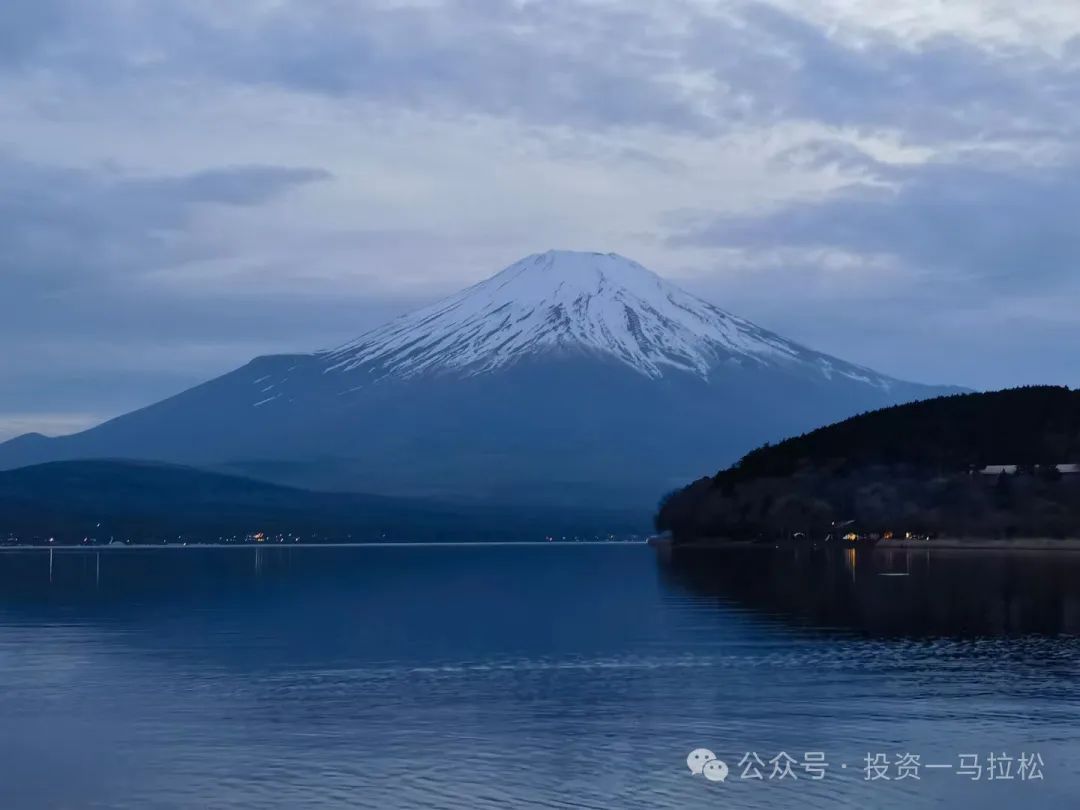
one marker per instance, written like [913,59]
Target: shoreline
[1045,544]
[122,547]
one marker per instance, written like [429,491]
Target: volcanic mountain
[565,377]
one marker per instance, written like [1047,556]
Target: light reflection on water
[525,677]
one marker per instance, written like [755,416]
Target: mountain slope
[566,377]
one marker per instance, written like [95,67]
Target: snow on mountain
[566,378]
[570,301]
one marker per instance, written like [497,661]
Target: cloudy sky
[186,185]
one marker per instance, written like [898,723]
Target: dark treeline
[149,502]
[907,468]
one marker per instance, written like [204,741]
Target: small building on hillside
[1010,469]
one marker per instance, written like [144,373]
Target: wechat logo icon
[703,762]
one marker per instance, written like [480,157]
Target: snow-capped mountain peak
[598,303]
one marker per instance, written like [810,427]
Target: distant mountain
[928,467]
[141,501]
[567,377]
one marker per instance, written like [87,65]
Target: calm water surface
[476,677]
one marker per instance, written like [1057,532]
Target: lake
[537,677]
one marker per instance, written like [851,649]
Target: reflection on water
[500,677]
[897,592]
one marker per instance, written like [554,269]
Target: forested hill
[905,465]
[1024,426]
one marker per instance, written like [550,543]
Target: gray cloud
[27,27]
[61,225]
[551,62]
[235,185]
[1002,225]
[565,62]
[554,62]
[941,87]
